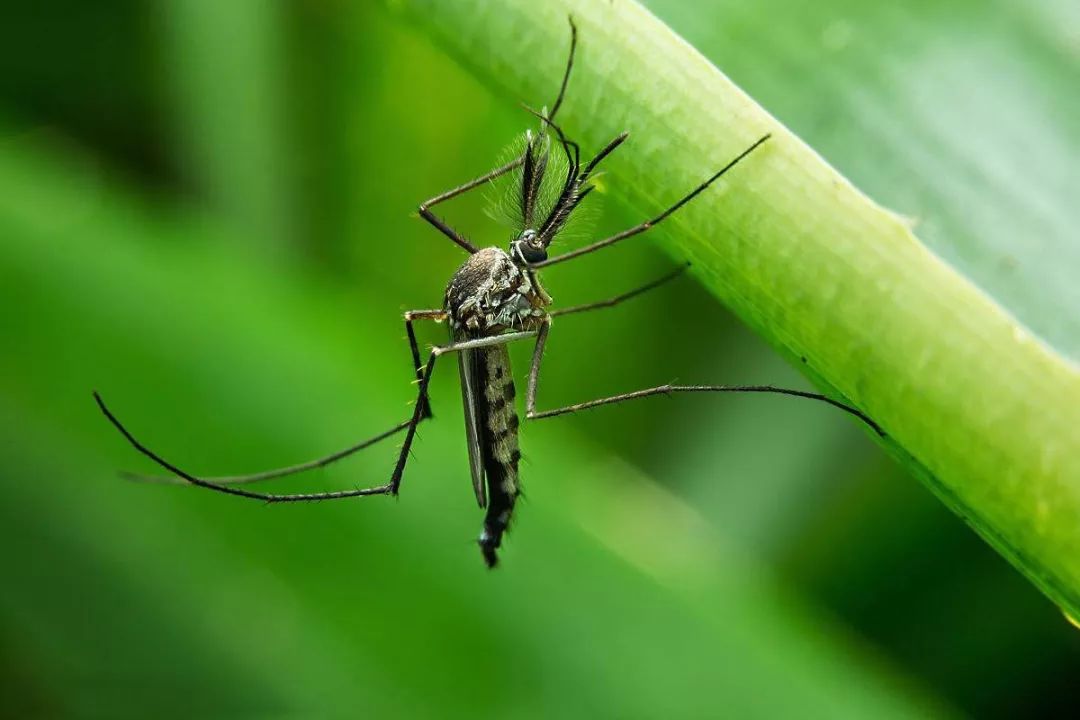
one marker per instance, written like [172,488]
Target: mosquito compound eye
[532,253]
[529,247]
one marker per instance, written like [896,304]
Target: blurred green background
[206,214]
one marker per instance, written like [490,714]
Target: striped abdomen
[499,443]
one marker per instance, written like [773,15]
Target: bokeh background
[206,213]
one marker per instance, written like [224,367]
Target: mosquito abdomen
[501,451]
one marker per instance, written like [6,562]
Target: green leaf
[972,382]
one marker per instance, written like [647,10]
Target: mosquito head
[528,247]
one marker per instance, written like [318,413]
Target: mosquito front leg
[638,229]
[437,222]
[425,207]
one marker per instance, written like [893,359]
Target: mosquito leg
[414,348]
[425,211]
[566,73]
[611,302]
[534,369]
[534,381]
[638,229]
[425,207]
[266,497]
[278,472]
[410,316]
[542,333]
[390,488]
[670,389]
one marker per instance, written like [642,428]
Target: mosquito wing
[469,363]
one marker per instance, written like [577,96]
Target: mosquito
[493,299]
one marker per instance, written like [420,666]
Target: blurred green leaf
[225,65]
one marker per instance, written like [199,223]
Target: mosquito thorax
[490,293]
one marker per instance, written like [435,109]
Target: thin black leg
[534,369]
[425,207]
[403,456]
[638,229]
[380,490]
[542,333]
[390,488]
[611,302]
[534,381]
[410,317]
[669,389]
[414,348]
[278,472]
[566,73]
[445,229]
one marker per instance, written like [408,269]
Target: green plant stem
[984,412]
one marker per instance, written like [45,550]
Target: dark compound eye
[529,247]
[532,253]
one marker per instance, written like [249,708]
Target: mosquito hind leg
[390,488]
[671,389]
[228,490]
[278,472]
[531,413]
[410,317]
